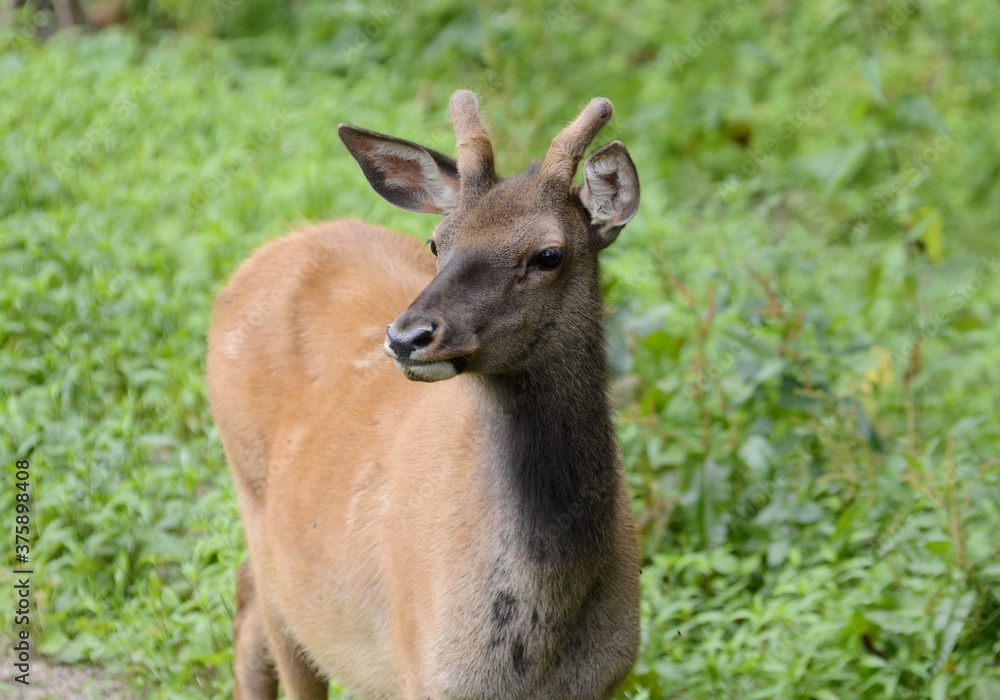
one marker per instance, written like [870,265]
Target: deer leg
[255,677]
[298,677]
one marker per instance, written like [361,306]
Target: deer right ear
[408,175]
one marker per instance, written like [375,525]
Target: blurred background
[802,317]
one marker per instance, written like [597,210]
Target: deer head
[517,272]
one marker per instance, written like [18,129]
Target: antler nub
[568,147]
[475,150]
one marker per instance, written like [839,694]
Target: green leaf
[928,231]
[757,453]
[777,552]
[845,164]
[726,564]
[870,69]
[939,687]
[938,546]
[52,643]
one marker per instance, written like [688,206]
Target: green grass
[804,330]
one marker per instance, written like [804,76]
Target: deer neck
[550,454]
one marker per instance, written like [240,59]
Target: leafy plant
[802,314]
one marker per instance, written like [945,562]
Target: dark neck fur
[550,436]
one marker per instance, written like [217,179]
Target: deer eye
[547,259]
[433,246]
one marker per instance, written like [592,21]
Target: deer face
[516,257]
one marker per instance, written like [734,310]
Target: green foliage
[804,327]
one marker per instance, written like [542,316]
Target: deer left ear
[610,191]
[404,173]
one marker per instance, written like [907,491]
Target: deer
[453,520]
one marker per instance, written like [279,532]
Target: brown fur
[469,538]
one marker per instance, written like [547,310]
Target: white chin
[427,372]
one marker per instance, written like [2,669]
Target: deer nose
[404,344]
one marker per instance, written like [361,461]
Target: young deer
[470,538]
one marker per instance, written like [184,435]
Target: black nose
[404,344]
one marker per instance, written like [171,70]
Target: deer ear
[610,191]
[408,175]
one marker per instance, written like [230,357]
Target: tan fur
[386,547]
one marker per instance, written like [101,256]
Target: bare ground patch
[50,680]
